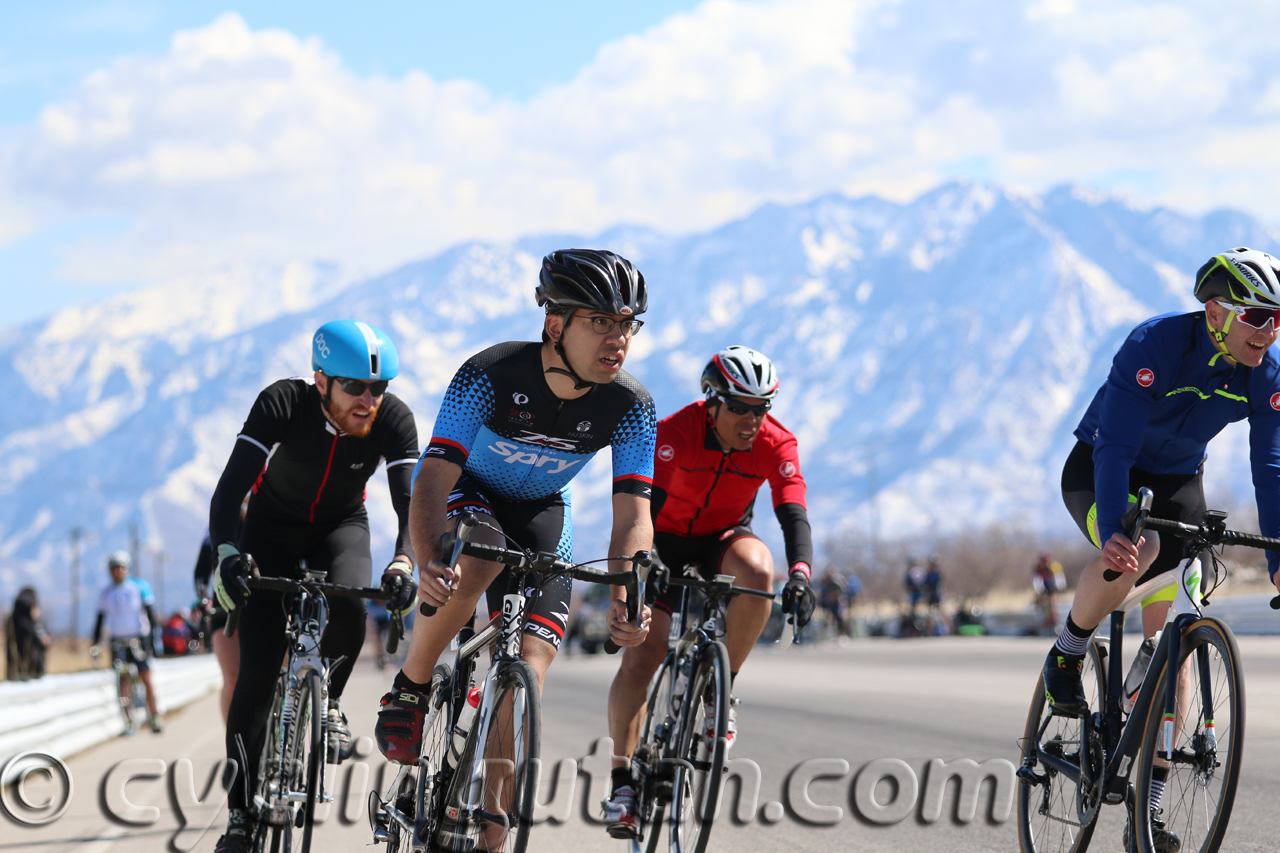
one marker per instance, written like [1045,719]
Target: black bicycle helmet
[1242,277]
[592,280]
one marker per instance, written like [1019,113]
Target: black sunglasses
[356,387]
[740,408]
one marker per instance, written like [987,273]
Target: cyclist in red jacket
[712,458]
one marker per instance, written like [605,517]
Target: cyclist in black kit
[307,450]
[518,422]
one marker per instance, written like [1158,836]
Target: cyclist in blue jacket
[1176,382]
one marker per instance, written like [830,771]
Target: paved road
[912,700]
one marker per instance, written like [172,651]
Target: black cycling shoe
[399,727]
[1062,686]
[340,744]
[1163,840]
[239,835]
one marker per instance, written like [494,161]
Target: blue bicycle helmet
[354,350]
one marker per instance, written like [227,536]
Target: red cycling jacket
[700,489]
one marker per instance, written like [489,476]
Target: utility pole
[873,491]
[76,534]
[158,558]
[133,548]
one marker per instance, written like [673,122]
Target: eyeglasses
[740,408]
[356,387]
[604,325]
[1253,316]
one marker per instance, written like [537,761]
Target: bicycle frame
[1121,742]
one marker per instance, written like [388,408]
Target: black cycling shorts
[134,650]
[708,551]
[1178,497]
[541,525]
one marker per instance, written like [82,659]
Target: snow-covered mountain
[937,354]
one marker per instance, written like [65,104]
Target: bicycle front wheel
[497,777]
[304,763]
[704,722]
[654,778]
[1054,816]
[1208,736]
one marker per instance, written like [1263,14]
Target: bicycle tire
[655,789]
[124,695]
[512,739]
[1187,796]
[1049,813]
[695,795]
[304,761]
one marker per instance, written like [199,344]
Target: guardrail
[64,714]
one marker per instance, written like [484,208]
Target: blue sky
[144,143]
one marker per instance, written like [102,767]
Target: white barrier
[64,714]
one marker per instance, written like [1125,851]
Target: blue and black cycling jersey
[1169,392]
[503,426]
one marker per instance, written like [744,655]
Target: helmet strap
[1219,338]
[578,382]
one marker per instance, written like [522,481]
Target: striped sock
[1073,640]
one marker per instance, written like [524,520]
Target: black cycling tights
[276,547]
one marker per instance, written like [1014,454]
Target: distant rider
[125,608]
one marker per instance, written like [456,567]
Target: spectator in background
[933,584]
[26,638]
[852,589]
[829,598]
[913,580]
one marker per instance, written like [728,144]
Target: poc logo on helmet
[1146,377]
[321,346]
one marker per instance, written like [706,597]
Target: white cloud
[242,145]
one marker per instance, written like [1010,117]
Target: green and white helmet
[1241,276]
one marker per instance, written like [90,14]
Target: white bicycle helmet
[740,372]
[1242,276]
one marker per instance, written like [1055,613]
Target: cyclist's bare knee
[539,654]
[749,561]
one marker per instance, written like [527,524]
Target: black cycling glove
[798,597]
[397,581]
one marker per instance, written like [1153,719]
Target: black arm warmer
[400,480]
[151,617]
[655,503]
[796,533]
[238,477]
[97,628]
[204,563]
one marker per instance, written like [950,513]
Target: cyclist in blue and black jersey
[1177,381]
[306,453]
[126,610]
[518,422]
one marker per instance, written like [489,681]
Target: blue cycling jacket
[1169,392]
[502,424]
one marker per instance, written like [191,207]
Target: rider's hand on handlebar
[798,598]
[1121,555]
[231,580]
[436,583]
[622,629]
[397,581]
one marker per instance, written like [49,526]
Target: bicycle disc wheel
[1208,736]
[655,778]
[1051,815]
[696,781]
[497,774]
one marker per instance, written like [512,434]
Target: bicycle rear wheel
[497,774]
[1208,736]
[695,794]
[1053,815]
[654,778]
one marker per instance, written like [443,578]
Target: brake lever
[1140,514]
[453,542]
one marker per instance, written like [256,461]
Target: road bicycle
[474,789]
[291,764]
[1191,724]
[679,760]
[130,691]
